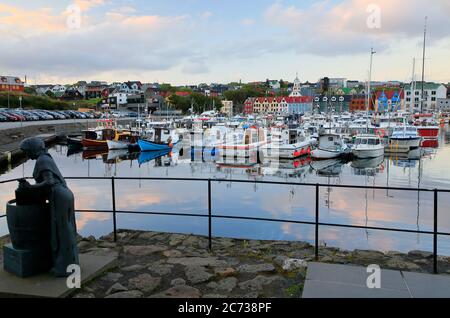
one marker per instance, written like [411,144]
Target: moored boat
[368,146]
[160,139]
[329,146]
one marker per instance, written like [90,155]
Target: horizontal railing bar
[144,213]
[11,180]
[2,216]
[252,182]
[271,220]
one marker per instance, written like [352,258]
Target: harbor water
[380,208]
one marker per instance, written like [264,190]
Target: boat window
[371,142]
[330,138]
[364,141]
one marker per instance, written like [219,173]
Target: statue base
[25,263]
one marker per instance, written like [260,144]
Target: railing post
[435,230]
[113,194]
[316,240]
[209,216]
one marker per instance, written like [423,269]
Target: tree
[30,90]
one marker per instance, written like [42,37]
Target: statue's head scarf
[33,147]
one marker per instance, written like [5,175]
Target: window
[416,93]
[433,99]
[408,99]
[433,92]
[371,141]
[408,93]
[416,99]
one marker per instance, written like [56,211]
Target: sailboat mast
[423,64]
[372,52]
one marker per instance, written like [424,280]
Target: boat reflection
[148,156]
[327,168]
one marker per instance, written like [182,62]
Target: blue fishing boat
[147,145]
[158,139]
[151,155]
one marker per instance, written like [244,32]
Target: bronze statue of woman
[61,201]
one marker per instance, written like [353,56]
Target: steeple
[296,88]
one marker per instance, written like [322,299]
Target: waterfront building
[443,104]
[248,105]
[270,105]
[389,100]
[358,103]
[333,103]
[94,89]
[432,91]
[11,84]
[299,104]
[131,87]
[227,107]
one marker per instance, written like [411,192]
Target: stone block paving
[349,281]
[155,264]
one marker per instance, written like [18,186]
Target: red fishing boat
[427,127]
[97,139]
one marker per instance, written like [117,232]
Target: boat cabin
[367,140]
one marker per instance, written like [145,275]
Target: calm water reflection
[409,210]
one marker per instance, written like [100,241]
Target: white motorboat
[403,139]
[368,146]
[330,146]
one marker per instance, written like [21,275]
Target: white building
[432,92]
[227,107]
[296,88]
[121,98]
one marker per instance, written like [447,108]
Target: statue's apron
[62,215]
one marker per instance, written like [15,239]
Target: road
[12,125]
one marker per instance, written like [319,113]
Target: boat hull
[325,154]
[287,151]
[402,145]
[146,145]
[117,145]
[365,153]
[94,144]
[428,132]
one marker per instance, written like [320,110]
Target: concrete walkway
[348,281]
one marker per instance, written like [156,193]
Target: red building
[358,103]
[11,84]
[248,105]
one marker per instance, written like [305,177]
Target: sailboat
[368,145]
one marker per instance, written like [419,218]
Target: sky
[204,41]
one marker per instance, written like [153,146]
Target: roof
[10,80]
[426,86]
[183,94]
[390,93]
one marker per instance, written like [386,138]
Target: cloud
[206,15]
[343,28]
[247,22]
[19,22]
[86,5]
[195,65]
[119,41]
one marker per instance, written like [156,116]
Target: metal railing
[317,224]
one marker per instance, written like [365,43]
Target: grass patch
[294,290]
